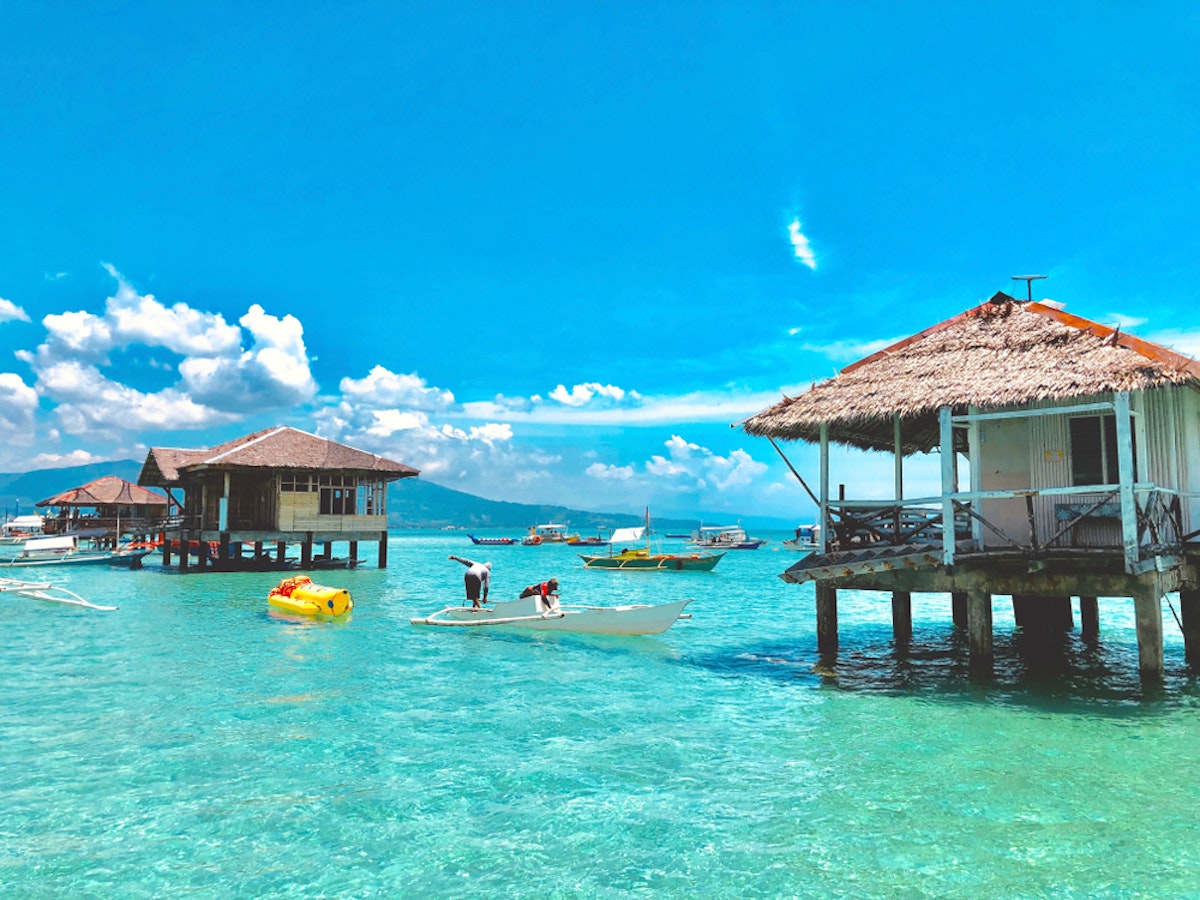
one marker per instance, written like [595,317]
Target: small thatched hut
[109,504]
[1083,447]
[281,485]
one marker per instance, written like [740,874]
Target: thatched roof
[107,491]
[1002,353]
[273,448]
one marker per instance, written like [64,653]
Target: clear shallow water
[194,742]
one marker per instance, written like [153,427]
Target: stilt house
[1082,445]
[109,506]
[277,486]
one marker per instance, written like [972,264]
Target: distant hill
[412,503]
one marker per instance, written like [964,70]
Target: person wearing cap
[546,592]
[477,579]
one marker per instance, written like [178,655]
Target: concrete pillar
[827,624]
[979,626]
[1147,606]
[1089,617]
[902,616]
[958,609]
[1189,611]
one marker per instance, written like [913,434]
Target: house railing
[861,523]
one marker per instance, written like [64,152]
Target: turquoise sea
[195,743]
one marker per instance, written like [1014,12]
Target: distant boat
[551,533]
[19,530]
[807,538]
[492,542]
[577,541]
[725,537]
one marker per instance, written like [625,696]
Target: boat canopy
[64,542]
[627,535]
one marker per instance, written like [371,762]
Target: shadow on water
[1049,672]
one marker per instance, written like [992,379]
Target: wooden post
[353,552]
[979,627]
[223,555]
[1129,529]
[280,551]
[946,450]
[185,539]
[383,549]
[902,617]
[1147,606]
[328,552]
[827,624]
[1189,611]
[823,488]
[958,609]
[306,550]
[1089,617]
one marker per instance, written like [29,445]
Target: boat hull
[81,558]
[492,542]
[662,562]
[526,614]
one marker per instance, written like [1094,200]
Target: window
[337,495]
[295,482]
[1094,450]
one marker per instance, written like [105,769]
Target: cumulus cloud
[692,467]
[609,473]
[849,351]
[387,388]
[18,407]
[10,312]
[801,246]
[140,319]
[582,394]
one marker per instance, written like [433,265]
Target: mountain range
[412,503]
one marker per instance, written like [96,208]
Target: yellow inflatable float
[300,595]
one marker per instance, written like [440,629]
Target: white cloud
[10,312]
[849,351]
[582,394]
[18,408]
[801,246]
[141,319]
[386,388]
[1185,342]
[63,460]
[693,467]
[609,473]
[1124,322]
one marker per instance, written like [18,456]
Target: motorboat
[300,595]
[807,538]
[18,530]
[725,537]
[577,541]
[492,541]
[70,549]
[531,613]
[44,590]
[551,533]
[638,558]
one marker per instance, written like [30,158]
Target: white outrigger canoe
[528,613]
[44,590]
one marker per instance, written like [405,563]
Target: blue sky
[549,252]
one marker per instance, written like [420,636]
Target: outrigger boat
[66,549]
[725,537]
[530,613]
[642,558]
[806,538]
[44,590]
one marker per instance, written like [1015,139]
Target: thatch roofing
[273,448]
[107,491]
[1002,353]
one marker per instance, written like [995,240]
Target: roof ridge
[262,437]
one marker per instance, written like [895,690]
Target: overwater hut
[109,508]
[1082,445]
[273,487]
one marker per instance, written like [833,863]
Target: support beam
[1089,617]
[306,550]
[827,619]
[1147,606]
[902,617]
[958,609]
[383,549]
[979,627]
[1189,611]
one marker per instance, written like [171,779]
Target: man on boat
[477,579]
[546,592]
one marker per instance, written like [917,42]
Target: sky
[550,253]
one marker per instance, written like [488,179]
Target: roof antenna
[1029,280]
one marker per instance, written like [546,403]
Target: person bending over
[477,579]
[546,592]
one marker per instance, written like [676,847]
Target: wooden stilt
[223,553]
[1189,611]
[1089,617]
[1147,605]
[353,551]
[306,550]
[827,624]
[280,551]
[902,616]
[383,550]
[185,540]
[979,627]
[958,609]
